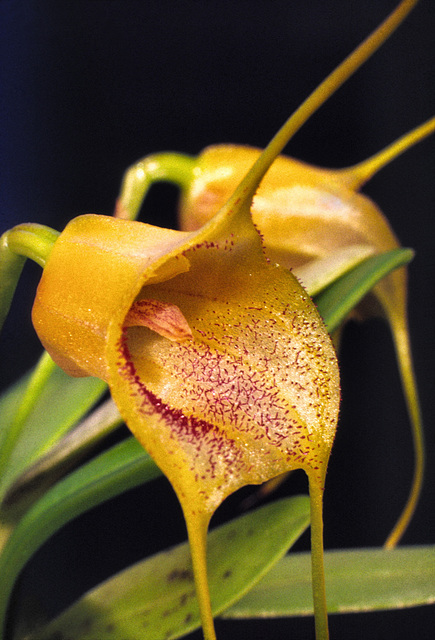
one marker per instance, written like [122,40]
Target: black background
[91,86]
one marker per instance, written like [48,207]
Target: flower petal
[254,393]
[164,318]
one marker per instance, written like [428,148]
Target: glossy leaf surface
[67,454]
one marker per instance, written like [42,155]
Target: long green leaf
[318,274]
[337,301]
[61,458]
[356,581]
[49,412]
[124,466]
[155,599]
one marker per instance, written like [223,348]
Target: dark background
[88,87]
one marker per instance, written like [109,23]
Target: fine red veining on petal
[251,395]
[196,434]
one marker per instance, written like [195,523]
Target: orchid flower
[215,355]
[313,221]
[307,214]
[217,359]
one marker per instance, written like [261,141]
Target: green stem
[197,526]
[11,266]
[35,241]
[317,568]
[169,167]
[29,240]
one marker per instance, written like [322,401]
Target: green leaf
[356,581]
[61,458]
[336,301]
[155,599]
[318,274]
[50,402]
[122,467]
[9,401]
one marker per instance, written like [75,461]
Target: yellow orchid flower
[217,360]
[312,220]
[216,357]
[306,214]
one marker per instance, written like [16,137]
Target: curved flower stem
[197,526]
[11,266]
[28,240]
[402,344]
[317,568]
[171,167]
[31,240]
[355,177]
